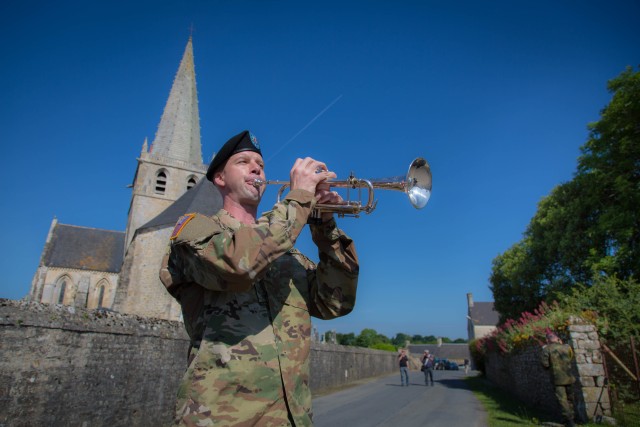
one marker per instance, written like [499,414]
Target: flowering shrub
[529,329]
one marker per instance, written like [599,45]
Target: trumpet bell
[418,183]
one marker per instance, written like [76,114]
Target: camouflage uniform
[247,296]
[558,357]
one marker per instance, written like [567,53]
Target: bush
[529,329]
[383,346]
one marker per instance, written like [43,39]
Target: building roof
[203,198]
[85,249]
[483,314]
[443,351]
[178,135]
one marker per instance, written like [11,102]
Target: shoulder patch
[182,221]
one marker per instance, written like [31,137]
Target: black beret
[244,141]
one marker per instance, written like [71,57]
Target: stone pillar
[82,291]
[592,397]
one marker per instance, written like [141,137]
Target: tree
[588,227]
[346,339]
[400,339]
[367,338]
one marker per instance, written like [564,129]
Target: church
[118,270]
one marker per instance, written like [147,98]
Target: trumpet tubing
[416,184]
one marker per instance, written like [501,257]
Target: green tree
[346,339]
[399,339]
[416,339]
[615,304]
[367,338]
[588,227]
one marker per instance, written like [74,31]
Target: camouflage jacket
[558,357]
[247,296]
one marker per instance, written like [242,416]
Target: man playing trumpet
[247,294]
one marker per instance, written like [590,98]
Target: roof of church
[483,314]
[203,198]
[178,135]
[85,248]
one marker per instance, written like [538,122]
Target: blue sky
[495,95]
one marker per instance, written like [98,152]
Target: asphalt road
[383,402]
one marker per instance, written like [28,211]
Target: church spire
[178,135]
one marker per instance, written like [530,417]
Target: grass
[628,414]
[503,410]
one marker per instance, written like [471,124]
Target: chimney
[470,300]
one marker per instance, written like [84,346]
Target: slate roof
[483,314]
[444,351]
[203,198]
[85,249]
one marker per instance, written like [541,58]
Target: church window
[161,182]
[191,182]
[63,288]
[101,296]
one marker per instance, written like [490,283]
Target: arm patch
[182,221]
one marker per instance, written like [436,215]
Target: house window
[191,183]
[161,182]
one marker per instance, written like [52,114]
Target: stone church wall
[65,366]
[82,286]
[151,299]
[522,374]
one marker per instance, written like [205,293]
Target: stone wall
[66,366]
[335,365]
[522,374]
[140,291]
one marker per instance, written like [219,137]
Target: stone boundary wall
[335,365]
[522,374]
[66,366]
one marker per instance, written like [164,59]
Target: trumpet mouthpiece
[258,182]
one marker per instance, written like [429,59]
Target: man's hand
[325,195]
[307,173]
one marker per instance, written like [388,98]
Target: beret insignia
[254,140]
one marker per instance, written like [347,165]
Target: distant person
[466,366]
[558,357]
[403,362]
[428,362]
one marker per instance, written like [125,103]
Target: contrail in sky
[305,127]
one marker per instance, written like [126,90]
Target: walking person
[427,367]
[403,362]
[558,357]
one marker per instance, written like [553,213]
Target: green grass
[503,410]
[628,414]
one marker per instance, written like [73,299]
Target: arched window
[191,182]
[100,296]
[161,182]
[63,288]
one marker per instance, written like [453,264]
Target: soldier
[558,357]
[247,294]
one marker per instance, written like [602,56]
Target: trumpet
[416,184]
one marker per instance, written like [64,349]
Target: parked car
[452,366]
[441,364]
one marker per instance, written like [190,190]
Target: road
[383,402]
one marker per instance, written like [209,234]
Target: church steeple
[172,164]
[178,135]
